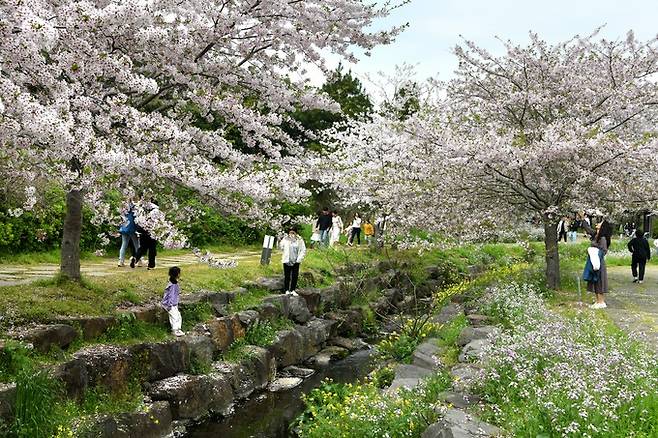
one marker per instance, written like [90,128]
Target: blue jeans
[124,245]
[324,236]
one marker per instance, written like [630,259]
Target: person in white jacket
[294,250]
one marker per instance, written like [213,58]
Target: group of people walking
[330,226]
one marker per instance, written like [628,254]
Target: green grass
[247,300]
[131,330]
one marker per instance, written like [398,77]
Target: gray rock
[153,422]
[268,311]
[440,430]
[312,297]
[295,371]
[273,284]
[201,348]
[428,355]
[288,348]
[252,373]
[464,375]
[460,400]
[349,322]
[73,374]
[393,295]
[469,334]
[7,400]
[352,344]
[320,330]
[328,355]
[298,310]
[157,361]
[469,423]
[448,313]
[474,351]
[478,320]
[333,298]
[192,397]
[106,365]
[407,383]
[282,302]
[45,337]
[91,326]
[248,317]
[285,384]
[411,372]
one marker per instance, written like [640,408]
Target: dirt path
[634,307]
[11,275]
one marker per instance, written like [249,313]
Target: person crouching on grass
[170,301]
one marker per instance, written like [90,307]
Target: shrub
[364,411]
[400,345]
[14,358]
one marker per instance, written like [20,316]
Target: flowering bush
[400,345]
[565,376]
[364,411]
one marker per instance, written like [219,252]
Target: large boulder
[349,322]
[282,302]
[152,422]
[448,313]
[157,361]
[254,372]
[192,397]
[312,297]
[475,351]
[328,355]
[201,348]
[298,310]
[73,374]
[91,327]
[321,330]
[457,423]
[217,300]
[248,317]
[7,400]
[106,365]
[333,297]
[288,348]
[46,337]
[272,284]
[269,311]
[464,375]
[428,355]
[470,334]
[220,331]
[149,313]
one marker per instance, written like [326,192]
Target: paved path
[634,307]
[11,275]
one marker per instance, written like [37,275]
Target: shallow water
[269,414]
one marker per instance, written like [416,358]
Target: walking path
[11,275]
[634,307]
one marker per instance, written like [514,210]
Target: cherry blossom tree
[540,131]
[128,94]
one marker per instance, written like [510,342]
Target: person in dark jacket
[323,224]
[639,247]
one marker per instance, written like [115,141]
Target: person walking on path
[147,243]
[562,228]
[323,224]
[356,230]
[294,250]
[316,237]
[639,247]
[600,238]
[128,233]
[170,301]
[368,232]
[336,228]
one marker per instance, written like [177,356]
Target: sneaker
[635,280]
[140,263]
[598,306]
[639,282]
[179,333]
[293,293]
[287,292]
[121,264]
[132,262]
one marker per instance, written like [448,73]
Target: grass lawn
[43,300]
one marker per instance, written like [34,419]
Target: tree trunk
[552,255]
[70,263]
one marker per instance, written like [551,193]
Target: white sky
[435,27]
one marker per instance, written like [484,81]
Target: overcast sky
[435,27]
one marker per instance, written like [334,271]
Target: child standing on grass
[170,301]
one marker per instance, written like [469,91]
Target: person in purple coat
[170,301]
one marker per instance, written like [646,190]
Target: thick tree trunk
[552,255]
[70,263]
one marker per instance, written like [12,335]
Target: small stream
[269,414]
